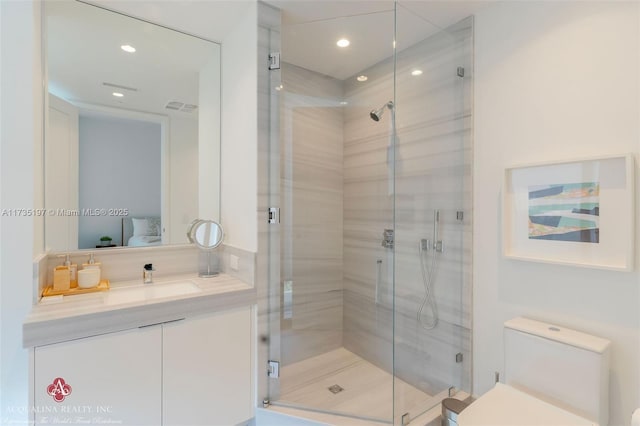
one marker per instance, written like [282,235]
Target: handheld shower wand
[429,275]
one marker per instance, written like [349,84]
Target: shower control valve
[388,238]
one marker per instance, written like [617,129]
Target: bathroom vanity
[174,352]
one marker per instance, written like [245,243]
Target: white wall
[119,169]
[554,80]
[239,133]
[209,139]
[20,131]
[183,145]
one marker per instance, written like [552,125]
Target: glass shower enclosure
[370,168]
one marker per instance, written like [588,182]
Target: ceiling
[310,29]
[210,19]
[79,65]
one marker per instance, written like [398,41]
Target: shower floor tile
[367,390]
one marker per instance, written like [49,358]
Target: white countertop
[131,304]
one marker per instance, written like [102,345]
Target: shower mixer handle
[438,245]
[426,245]
[388,238]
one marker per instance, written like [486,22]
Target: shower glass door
[432,329]
[333,332]
[364,156]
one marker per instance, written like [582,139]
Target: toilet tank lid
[559,334]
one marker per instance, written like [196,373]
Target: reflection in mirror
[132,128]
[206,235]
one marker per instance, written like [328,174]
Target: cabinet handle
[160,323]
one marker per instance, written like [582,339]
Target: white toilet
[553,376]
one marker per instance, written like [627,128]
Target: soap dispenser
[73,270]
[61,278]
[91,263]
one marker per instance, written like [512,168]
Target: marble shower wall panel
[368,210]
[432,171]
[312,212]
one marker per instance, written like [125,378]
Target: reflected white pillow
[142,227]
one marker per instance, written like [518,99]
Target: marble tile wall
[433,171]
[120,264]
[368,210]
[246,261]
[123,264]
[311,216]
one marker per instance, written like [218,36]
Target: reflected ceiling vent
[181,106]
[118,86]
[189,108]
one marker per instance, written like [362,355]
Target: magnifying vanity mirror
[206,235]
[132,130]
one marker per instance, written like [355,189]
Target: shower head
[376,114]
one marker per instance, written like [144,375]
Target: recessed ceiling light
[362,78]
[117,94]
[416,72]
[343,42]
[128,48]
[344,103]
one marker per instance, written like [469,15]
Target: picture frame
[578,212]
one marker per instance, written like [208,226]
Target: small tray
[49,291]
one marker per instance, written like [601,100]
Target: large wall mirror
[132,130]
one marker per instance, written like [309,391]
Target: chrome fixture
[147,274]
[387,238]
[376,114]
[429,274]
[273,369]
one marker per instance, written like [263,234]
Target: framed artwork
[575,212]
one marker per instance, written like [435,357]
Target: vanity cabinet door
[109,379]
[207,370]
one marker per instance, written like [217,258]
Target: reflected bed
[141,231]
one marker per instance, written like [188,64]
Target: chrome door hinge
[460,71]
[274,215]
[273,369]
[274,61]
